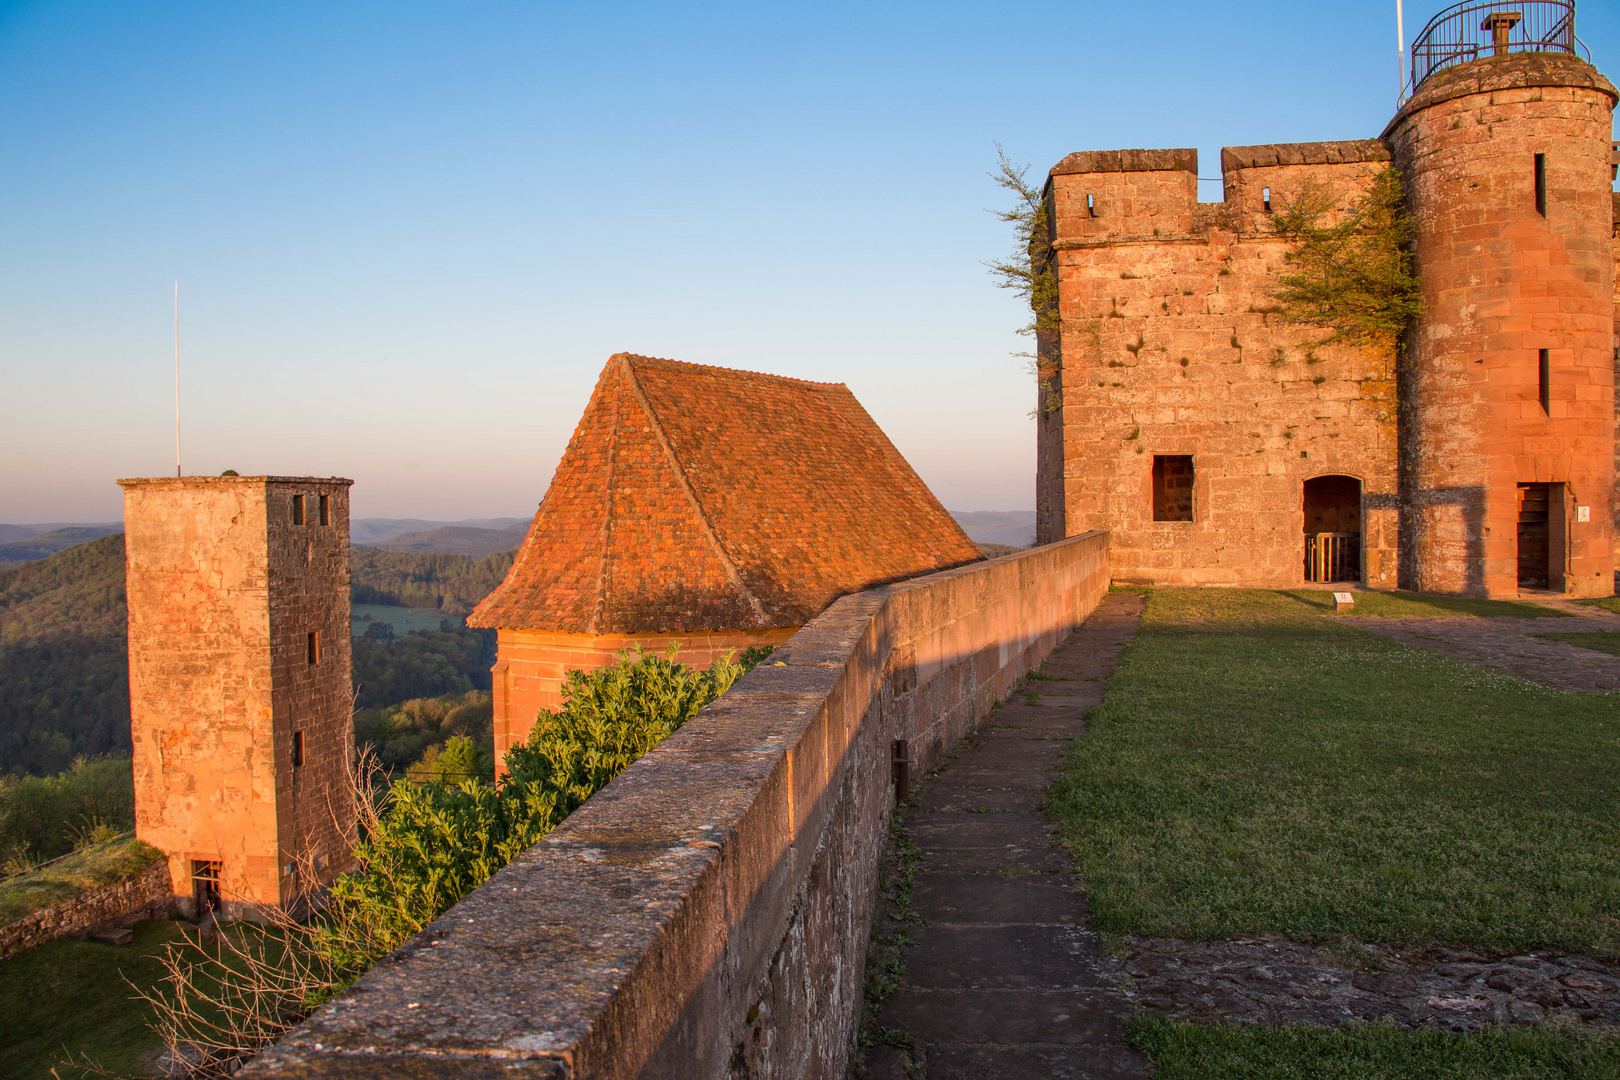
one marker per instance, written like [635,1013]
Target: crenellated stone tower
[240,674]
[1221,446]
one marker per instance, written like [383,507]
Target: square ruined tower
[240,675]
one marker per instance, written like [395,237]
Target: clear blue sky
[409,235]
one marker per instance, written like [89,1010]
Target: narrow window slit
[298,509]
[1546,383]
[298,750]
[326,509]
[1091,205]
[1265,198]
[1541,184]
[314,654]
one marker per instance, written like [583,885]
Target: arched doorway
[1333,528]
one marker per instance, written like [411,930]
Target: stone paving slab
[1004,980]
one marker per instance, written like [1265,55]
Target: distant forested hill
[459,540]
[452,583]
[64,666]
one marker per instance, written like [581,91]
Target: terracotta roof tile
[703,498]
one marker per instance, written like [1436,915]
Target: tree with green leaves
[1030,272]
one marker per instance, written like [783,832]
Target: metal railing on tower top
[1466,32]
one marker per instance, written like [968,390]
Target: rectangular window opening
[298,509]
[1541,184]
[1091,205]
[1546,383]
[314,646]
[205,885]
[1172,487]
[1265,197]
[298,750]
[326,509]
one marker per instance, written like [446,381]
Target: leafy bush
[42,817]
[431,843]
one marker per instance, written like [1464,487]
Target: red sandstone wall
[706,914]
[530,667]
[1171,344]
[222,591]
[1500,283]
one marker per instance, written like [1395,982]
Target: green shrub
[400,735]
[432,842]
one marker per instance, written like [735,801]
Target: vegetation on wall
[426,845]
[1030,273]
[1352,272]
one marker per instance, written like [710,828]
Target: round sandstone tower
[1507,383]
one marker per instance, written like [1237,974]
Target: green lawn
[99,864]
[1408,605]
[1598,640]
[1260,768]
[70,996]
[1607,603]
[1183,1051]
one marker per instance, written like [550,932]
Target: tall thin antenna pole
[1400,53]
[177,378]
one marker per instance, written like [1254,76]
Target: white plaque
[1583,513]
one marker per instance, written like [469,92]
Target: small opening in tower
[1541,184]
[1091,205]
[326,509]
[298,750]
[205,885]
[314,646]
[1265,198]
[298,509]
[1545,372]
[1172,487]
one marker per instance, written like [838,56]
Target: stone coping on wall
[187,481]
[1097,161]
[723,884]
[1515,71]
[1344,152]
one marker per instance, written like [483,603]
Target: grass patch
[1257,768]
[1188,1051]
[1598,640]
[99,864]
[72,994]
[1405,605]
[1607,603]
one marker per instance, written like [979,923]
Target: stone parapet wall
[706,914]
[145,894]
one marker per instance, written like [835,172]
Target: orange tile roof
[702,498]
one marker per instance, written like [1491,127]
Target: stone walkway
[1004,980]
[1507,644]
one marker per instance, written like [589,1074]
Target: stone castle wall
[530,673]
[223,592]
[145,894]
[1172,344]
[706,914]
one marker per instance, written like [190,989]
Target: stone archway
[1332,528]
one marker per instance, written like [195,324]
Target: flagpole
[1400,54]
